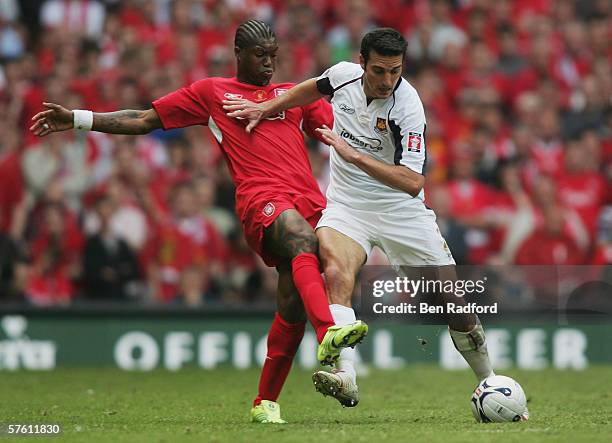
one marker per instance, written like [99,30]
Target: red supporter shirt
[11,188]
[543,248]
[470,198]
[50,288]
[272,157]
[179,244]
[585,193]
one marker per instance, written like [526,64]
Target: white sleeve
[337,76]
[408,128]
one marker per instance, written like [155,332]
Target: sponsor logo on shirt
[381,125]
[367,143]
[269,209]
[415,140]
[231,96]
[260,95]
[346,108]
[279,91]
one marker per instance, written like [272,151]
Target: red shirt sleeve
[186,106]
[317,114]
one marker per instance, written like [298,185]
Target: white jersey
[390,130]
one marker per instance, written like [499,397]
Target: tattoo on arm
[128,121]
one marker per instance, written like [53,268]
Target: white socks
[473,347]
[343,316]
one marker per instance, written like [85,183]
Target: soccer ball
[499,399]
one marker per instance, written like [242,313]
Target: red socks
[283,342]
[284,338]
[309,283]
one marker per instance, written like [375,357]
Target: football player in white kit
[375,196]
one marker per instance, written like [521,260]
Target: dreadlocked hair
[252,31]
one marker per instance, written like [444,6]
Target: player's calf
[472,345]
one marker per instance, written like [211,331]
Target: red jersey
[272,157]
[180,244]
[11,187]
[543,248]
[585,193]
[49,288]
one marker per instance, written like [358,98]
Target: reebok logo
[346,108]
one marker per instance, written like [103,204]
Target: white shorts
[408,237]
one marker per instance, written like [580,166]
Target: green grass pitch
[422,403]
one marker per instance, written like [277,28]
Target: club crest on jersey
[269,209]
[415,140]
[260,95]
[381,125]
[231,96]
[279,91]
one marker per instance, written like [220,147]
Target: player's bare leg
[288,301]
[292,237]
[342,258]
[284,339]
[465,329]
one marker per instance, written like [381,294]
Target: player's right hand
[241,108]
[56,118]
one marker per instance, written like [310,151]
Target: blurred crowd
[519,124]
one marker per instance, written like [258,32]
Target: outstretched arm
[129,122]
[300,95]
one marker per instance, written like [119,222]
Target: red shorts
[265,207]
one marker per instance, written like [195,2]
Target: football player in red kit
[277,198]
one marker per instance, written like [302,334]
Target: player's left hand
[241,108]
[347,152]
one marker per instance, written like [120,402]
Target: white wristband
[83,120]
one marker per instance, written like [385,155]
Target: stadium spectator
[11,178]
[192,288]
[61,160]
[549,245]
[223,220]
[12,42]
[182,241]
[56,254]
[526,81]
[354,21]
[453,231]
[12,268]
[470,200]
[79,16]
[580,185]
[110,267]
[603,250]
[129,219]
